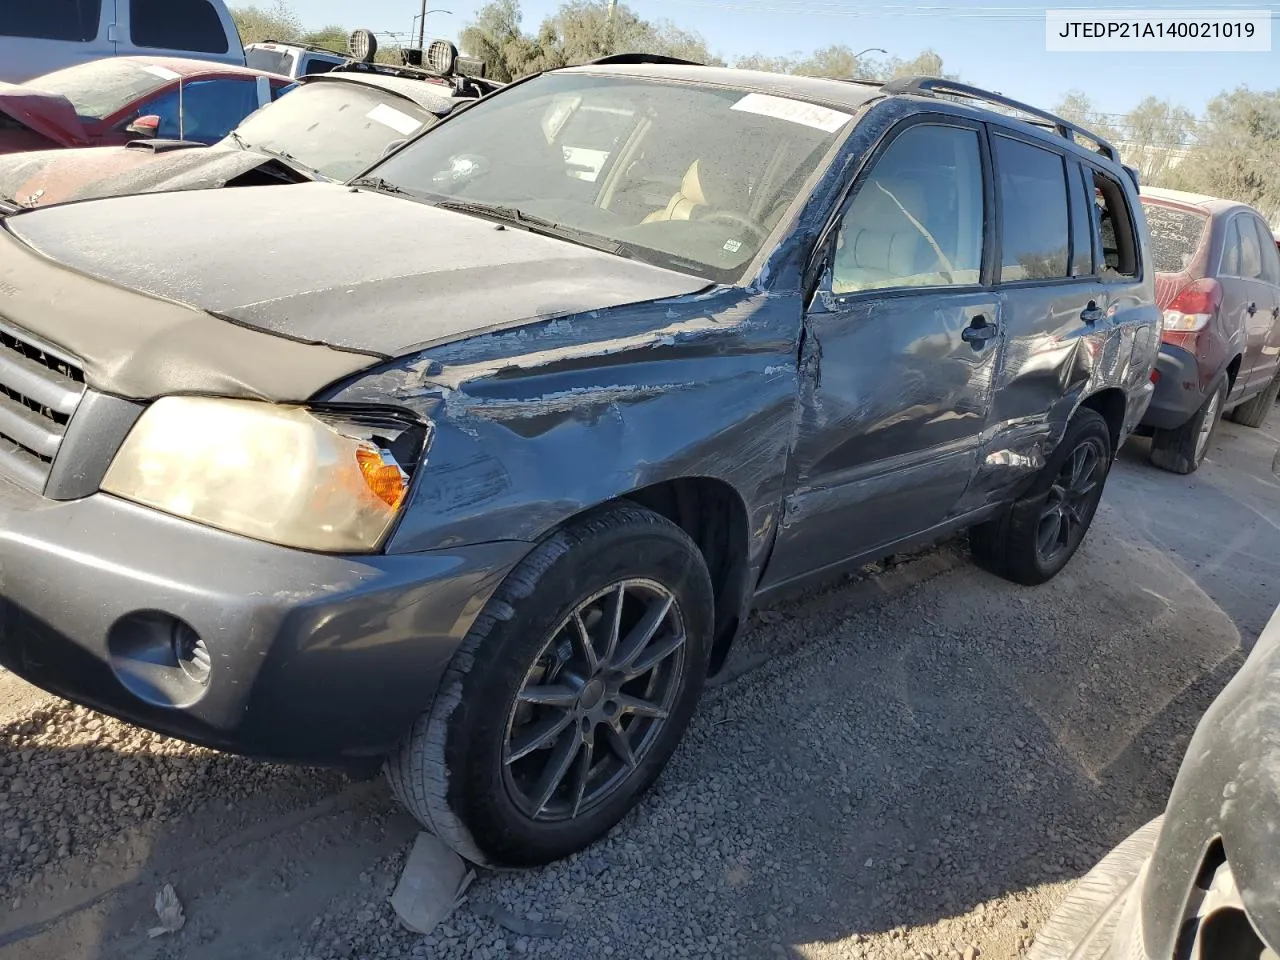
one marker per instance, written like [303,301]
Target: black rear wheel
[1033,540]
[1183,449]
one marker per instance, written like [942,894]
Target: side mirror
[144,126]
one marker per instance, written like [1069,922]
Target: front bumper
[1177,393]
[312,657]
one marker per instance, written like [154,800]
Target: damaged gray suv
[475,466]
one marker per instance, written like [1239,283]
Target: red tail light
[1155,375]
[1194,305]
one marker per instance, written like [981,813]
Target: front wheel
[569,694]
[1040,532]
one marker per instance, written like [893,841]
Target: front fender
[536,425]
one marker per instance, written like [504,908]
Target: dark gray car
[1203,880]
[477,464]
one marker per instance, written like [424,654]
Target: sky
[997,44]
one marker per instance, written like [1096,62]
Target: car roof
[439,98]
[849,94]
[1215,206]
[190,68]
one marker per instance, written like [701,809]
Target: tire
[1084,927]
[1183,449]
[1253,412]
[466,770]
[1010,545]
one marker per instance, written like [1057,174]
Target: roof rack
[629,58]
[312,47]
[929,86]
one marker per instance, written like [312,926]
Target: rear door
[201,29]
[1267,314]
[1251,297]
[1051,299]
[39,36]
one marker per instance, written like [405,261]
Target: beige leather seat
[684,201]
[878,241]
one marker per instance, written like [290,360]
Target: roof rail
[929,86]
[312,47]
[626,58]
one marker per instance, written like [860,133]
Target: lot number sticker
[796,111]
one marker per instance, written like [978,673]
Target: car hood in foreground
[1228,786]
[45,177]
[275,294]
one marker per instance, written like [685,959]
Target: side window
[916,221]
[73,20]
[210,109]
[317,65]
[1115,227]
[1250,249]
[1034,231]
[190,25]
[1082,225]
[1270,257]
[1231,250]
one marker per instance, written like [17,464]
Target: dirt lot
[926,761]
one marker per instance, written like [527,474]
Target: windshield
[685,176]
[102,87]
[270,61]
[334,127]
[1175,236]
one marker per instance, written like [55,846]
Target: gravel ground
[915,763]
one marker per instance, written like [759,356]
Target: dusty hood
[48,114]
[322,263]
[45,177]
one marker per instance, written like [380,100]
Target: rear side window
[1034,226]
[1175,236]
[1270,258]
[1081,224]
[916,221]
[192,25]
[1114,223]
[1243,256]
[316,65]
[73,20]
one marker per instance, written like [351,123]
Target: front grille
[39,391]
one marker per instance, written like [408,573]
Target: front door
[902,343]
[1246,297]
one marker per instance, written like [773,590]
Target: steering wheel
[737,220]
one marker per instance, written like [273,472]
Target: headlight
[286,474]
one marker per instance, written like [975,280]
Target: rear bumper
[313,658]
[1177,394]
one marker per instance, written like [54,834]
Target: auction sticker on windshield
[796,111]
[391,117]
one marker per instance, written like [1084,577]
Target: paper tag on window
[795,111]
[401,123]
[164,73]
[733,246]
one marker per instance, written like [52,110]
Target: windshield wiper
[535,224]
[380,185]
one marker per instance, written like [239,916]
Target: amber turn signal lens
[385,479]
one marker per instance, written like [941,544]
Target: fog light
[159,658]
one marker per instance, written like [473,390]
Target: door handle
[1251,309]
[978,332]
[1092,313]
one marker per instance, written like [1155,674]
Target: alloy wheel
[594,701]
[1206,426]
[1070,501]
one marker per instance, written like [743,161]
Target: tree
[839,62]
[580,30]
[277,22]
[1236,153]
[333,37]
[1155,134]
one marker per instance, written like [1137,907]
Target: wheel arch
[1110,403]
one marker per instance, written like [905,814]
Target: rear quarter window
[1175,236]
[71,20]
[192,25]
